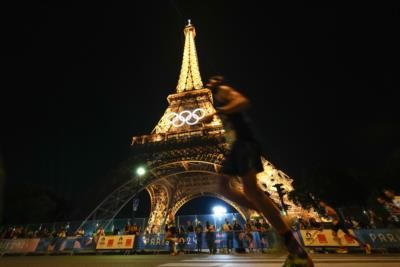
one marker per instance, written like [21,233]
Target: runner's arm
[236,102]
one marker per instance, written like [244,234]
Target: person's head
[389,193]
[215,81]
[381,200]
[371,212]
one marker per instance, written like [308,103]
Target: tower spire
[189,78]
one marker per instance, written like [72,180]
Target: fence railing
[214,242]
[117,226]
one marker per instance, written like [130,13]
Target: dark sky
[80,80]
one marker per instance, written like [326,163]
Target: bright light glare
[140,171]
[219,210]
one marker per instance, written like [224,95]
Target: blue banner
[186,242]
[380,238]
[189,241]
[79,244]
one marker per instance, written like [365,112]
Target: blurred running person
[339,224]
[244,160]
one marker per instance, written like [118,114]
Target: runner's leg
[346,231]
[263,203]
[226,189]
[255,195]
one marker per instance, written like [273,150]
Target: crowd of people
[386,214]
[233,232]
[28,232]
[242,235]
[14,232]
[391,204]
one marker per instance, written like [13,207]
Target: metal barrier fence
[380,239]
[30,230]
[189,242]
[117,226]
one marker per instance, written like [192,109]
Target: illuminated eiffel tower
[183,155]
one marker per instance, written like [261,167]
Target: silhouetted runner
[244,160]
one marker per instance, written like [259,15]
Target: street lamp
[140,171]
[218,211]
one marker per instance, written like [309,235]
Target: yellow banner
[115,242]
[325,238]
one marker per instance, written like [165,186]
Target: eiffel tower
[183,156]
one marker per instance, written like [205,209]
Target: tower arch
[242,211]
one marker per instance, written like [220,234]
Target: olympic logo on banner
[186,117]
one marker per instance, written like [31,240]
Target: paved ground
[256,260]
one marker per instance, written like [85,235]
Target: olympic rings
[186,117]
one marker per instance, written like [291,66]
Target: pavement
[193,260]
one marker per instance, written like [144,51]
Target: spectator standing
[100,232]
[199,236]
[127,228]
[189,228]
[263,232]
[374,221]
[80,232]
[314,224]
[393,211]
[170,236]
[181,239]
[391,195]
[227,229]
[62,233]
[237,234]
[210,238]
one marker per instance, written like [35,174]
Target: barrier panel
[157,242]
[69,244]
[18,245]
[380,238]
[149,242]
[325,238]
[115,242]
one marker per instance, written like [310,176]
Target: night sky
[81,80]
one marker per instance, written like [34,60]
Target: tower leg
[159,198]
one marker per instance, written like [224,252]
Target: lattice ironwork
[190,78]
[182,103]
[167,174]
[183,155]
